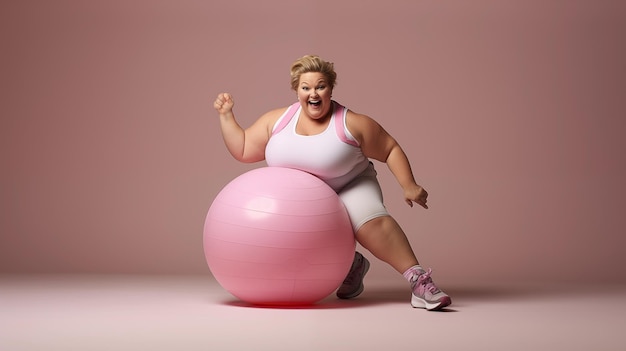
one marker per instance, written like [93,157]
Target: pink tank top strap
[291,111]
[340,126]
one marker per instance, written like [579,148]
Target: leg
[384,238]
[379,233]
[374,229]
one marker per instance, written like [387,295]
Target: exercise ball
[278,236]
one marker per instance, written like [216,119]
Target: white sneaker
[426,294]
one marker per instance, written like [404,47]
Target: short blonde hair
[312,63]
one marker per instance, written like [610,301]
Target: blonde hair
[312,63]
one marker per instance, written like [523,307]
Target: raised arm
[245,145]
[379,145]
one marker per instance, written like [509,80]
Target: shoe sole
[361,286]
[417,302]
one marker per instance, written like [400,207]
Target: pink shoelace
[423,282]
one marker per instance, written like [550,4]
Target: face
[314,95]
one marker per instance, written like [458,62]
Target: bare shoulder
[361,126]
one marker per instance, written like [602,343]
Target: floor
[102,312]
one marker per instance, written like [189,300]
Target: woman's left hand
[416,194]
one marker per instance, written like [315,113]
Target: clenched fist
[224,103]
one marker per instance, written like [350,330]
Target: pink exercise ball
[278,236]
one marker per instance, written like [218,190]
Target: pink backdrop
[512,113]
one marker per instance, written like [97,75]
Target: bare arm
[377,144]
[245,145]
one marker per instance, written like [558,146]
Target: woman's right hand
[224,103]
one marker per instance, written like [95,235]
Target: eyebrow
[317,83]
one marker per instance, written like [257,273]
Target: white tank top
[333,155]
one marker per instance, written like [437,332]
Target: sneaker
[426,294]
[352,286]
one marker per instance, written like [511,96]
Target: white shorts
[363,198]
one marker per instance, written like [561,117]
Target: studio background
[512,114]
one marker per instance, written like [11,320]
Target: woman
[319,136]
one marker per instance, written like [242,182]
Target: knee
[375,226]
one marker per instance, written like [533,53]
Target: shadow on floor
[461,296]
[371,297]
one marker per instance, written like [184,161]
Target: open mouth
[315,103]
